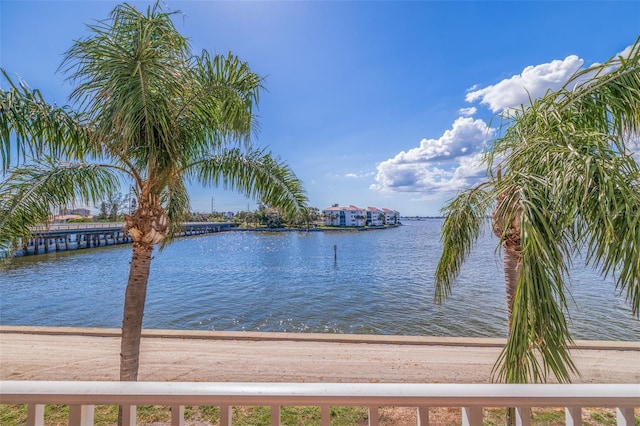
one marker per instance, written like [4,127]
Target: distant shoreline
[318,229]
[105,242]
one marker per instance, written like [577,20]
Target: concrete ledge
[306,337]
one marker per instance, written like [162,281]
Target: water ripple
[381,283]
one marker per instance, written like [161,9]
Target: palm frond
[538,340]
[175,200]
[130,73]
[220,105]
[609,224]
[32,192]
[464,217]
[611,89]
[39,128]
[254,173]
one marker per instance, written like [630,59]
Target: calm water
[381,283]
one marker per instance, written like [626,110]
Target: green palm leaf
[254,173]
[568,183]
[32,192]
[465,216]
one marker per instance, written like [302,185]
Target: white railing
[87,226]
[103,225]
[471,398]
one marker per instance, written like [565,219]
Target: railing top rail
[396,394]
[76,226]
[105,225]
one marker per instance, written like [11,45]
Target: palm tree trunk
[134,300]
[509,231]
[511,275]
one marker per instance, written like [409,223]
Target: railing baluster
[625,416]
[128,415]
[523,416]
[81,415]
[472,416]
[374,415]
[226,415]
[325,415]
[275,415]
[423,416]
[177,415]
[35,415]
[573,416]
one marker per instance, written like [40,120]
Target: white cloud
[358,175]
[532,83]
[444,164]
[453,161]
[465,135]
[467,112]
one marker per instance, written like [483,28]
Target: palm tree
[567,181]
[151,113]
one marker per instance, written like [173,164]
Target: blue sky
[383,103]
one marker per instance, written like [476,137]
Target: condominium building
[375,216]
[391,217]
[344,216]
[358,217]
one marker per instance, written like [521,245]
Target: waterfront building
[359,217]
[80,212]
[344,216]
[375,216]
[391,217]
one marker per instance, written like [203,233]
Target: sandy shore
[38,353]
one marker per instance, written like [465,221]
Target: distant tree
[216,217]
[113,206]
[313,213]
[303,218]
[270,218]
[309,216]
[246,217]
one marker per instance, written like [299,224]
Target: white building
[391,217]
[356,216]
[375,216]
[344,216]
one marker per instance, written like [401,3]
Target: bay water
[374,282]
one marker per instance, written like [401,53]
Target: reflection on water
[381,283]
